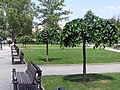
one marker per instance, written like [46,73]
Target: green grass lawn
[36,53]
[73,82]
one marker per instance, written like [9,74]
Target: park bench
[13,47]
[18,59]
[28,80]
[14,50]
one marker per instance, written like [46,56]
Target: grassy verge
[36,53]
[73,82]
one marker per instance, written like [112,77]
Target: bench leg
[15,85]
[12,60]
[14,79]
[13,75]
[39,83]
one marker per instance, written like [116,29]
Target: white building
[38,27]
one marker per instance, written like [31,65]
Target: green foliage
[91,28]
[51,36]
[1,36]
[50,12]
[77,30]
[107,32]
[1,17]
[24,39]
[116,21]
[18,15]
[9,42]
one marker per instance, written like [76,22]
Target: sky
[101,8]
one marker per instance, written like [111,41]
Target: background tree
[116,21]
[50,13]
[2,24]
[48,36]
[18,15]
[24,39]
[1,28]
[89,29]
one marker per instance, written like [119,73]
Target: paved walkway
[77,69]
[111,49]
[6,69]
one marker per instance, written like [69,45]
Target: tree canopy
[51,12]
[92,28]
[18,15]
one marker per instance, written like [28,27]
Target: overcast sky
[102,8]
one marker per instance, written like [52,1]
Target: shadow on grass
[89,77]
[50,59]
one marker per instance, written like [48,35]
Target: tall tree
[88,29]
[50,13]
[18,15]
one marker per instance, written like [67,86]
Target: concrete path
[111,49]
[77,69]
[6,69]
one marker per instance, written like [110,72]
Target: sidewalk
[6,69]
[111,49]
[77,69]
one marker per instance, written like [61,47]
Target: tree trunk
[47,51]
[84,60]
[25,45]
[1,45]
[13,36]
[110,43]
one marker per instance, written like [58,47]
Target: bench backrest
[13,47]
[17,49]
[32,72]
[21,54]
[39,71]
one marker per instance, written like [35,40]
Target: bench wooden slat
[31,71]
[28,87]
[23,78]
